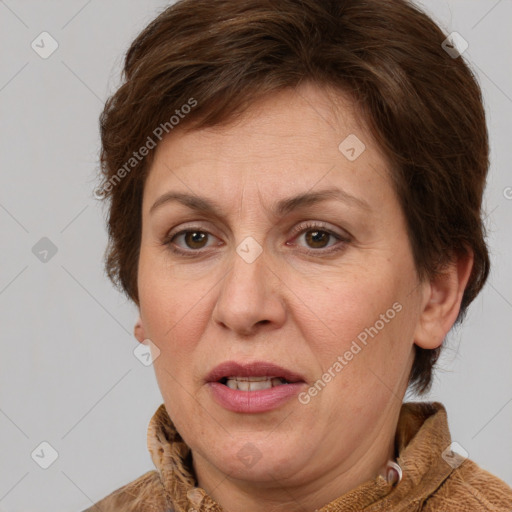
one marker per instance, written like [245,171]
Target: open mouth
[253,383]
[253,387]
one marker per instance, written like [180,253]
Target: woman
[295,207]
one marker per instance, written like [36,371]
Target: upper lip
[251,369]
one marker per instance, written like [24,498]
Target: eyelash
[303,228]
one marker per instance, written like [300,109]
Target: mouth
[254,387]
[253,383]
[252,376]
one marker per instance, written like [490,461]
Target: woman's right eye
[193,239]
[189,241]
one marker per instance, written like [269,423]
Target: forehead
[291,140]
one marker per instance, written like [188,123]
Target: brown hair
[423,106]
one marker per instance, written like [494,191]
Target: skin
[297,305]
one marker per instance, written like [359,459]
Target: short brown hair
[423,106]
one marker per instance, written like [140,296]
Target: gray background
[68,375]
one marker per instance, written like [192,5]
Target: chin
[257,461]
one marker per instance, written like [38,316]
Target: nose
[250,298]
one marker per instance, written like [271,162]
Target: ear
[139,331]
[441,302]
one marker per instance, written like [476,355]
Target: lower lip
[254,401]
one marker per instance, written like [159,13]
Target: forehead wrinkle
[265,208]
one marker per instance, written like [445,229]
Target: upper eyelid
[310,225]
[184,229]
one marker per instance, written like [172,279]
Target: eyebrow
[281,208]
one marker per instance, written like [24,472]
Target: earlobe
[139,331]
[441,305]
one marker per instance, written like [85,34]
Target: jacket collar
[422,436]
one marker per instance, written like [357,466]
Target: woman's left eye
[318,237]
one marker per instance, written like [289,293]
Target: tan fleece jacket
[432,481]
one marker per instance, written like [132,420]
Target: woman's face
[284,245]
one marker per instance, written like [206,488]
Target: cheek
[342,307]
[363,325]
[178,334]
[170,307]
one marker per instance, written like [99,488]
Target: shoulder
[145,494]
[470,488]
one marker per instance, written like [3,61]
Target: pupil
[194,239]
[317,238]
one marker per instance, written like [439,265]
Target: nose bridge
[244,284]
[248,295]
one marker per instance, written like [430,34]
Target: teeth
[231,384]
[253,383]
[245,385]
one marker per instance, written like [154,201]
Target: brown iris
[317,239]
[195,239]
